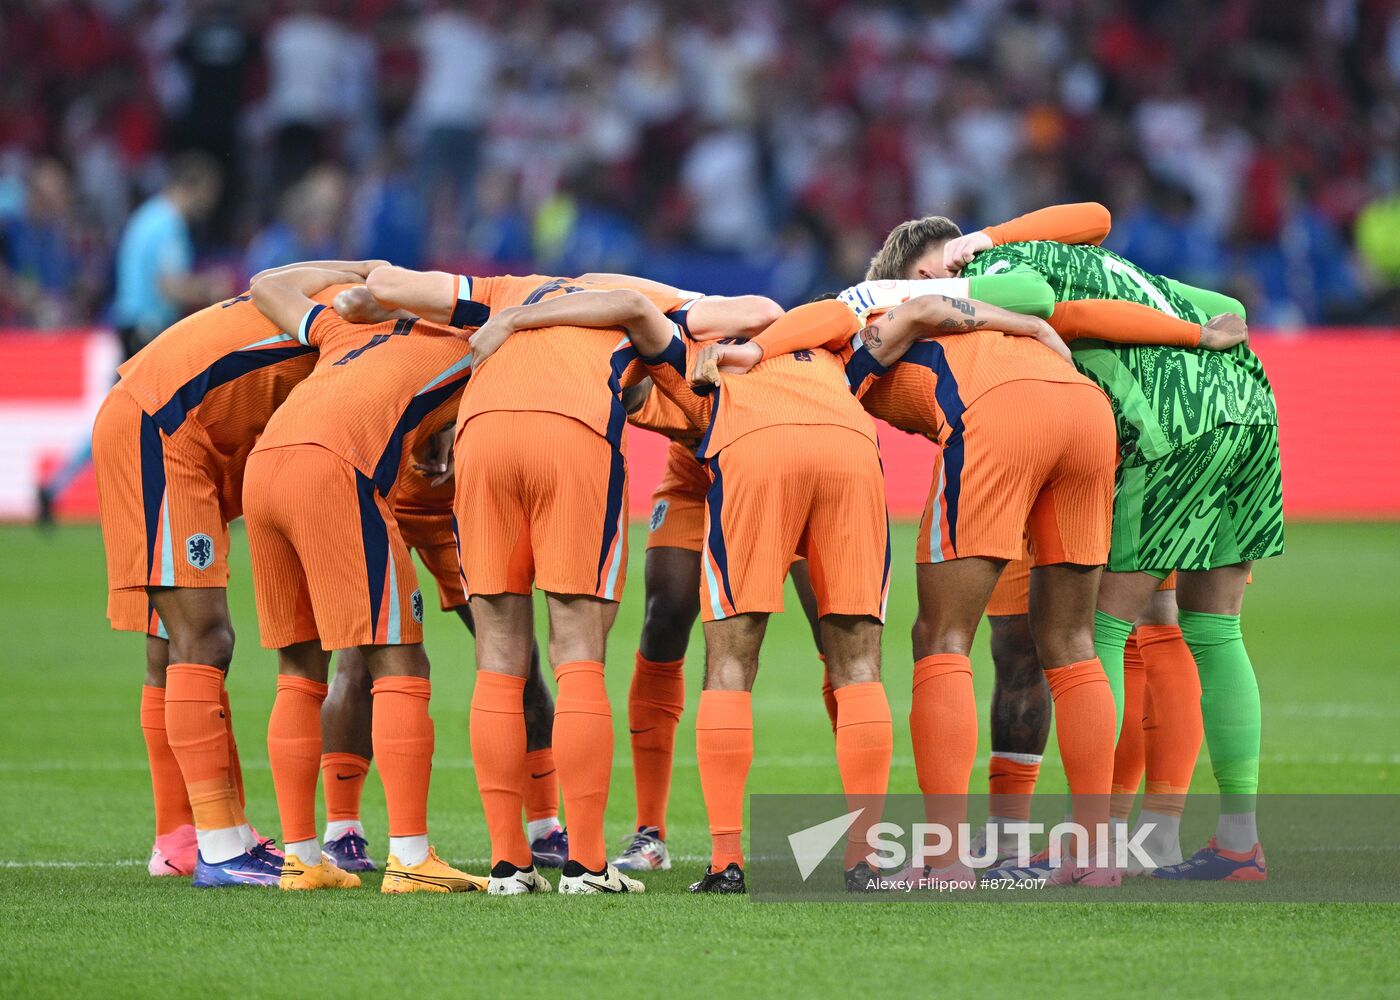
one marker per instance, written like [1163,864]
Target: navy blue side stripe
[386,470]
[227,369]
[929,354]
[673,355]
[152,485]
[375,536]
[862,365]
[617,486]
[714,499]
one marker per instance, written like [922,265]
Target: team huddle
[1106,474]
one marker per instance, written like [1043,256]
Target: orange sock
[541,785]
[654,706]
[498,748]
[294,751]
[724,749]
[943,725]
[194,726]
[1128,758]
[402,734]
[1085,720]
[828,694]
[1011,779]
[864,745]
[235,766]
[342,783]
[1173,728]
[167,784]
[583,739]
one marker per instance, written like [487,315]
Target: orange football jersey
[378,390]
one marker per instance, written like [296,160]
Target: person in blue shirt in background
[156,283]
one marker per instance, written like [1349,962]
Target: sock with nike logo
[654,706]
[541,789]
[342,783]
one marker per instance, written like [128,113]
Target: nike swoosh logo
[638,732]
[1078,877]
[171,865]
[544,775]
[345,777]
[602,887]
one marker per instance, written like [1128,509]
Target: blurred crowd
[753,145]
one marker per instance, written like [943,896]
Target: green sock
[1229,705]
[1110,636]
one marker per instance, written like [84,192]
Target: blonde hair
[906,243]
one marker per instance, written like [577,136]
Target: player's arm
[360,268]
[651,333]
[430,294]
[285,297]
[1122,322]
[1019,289]
[1210,302]
[714,317]
[1082,222]
[939,315]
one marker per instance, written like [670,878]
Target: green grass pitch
[81,917]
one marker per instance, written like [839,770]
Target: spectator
[48,278]
[308,226]
[306,56]
[156,280]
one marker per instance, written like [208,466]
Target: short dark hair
[907,242]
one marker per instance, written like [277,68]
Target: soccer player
[331,570]
[170,443]
[541,501]
[423,512]
[1198,489]
[970,377]
[675,539]
[793,467]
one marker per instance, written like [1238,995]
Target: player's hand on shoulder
[488,337]
[704,368]
[1224,332]
[1046,334]
[958,253]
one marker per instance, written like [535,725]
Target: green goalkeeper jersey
[1163,397]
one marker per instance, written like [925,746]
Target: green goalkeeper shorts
[1214,501]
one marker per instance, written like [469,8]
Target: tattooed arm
[939,315]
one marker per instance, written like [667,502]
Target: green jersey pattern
[1163,397]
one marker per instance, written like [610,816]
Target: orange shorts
[1012,595]
[1029,459]
[163,514]
[542,501]
[816,491]
[429,533]
[678,505]
[328,559]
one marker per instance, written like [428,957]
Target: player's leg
[1129,754]
[1020,711]
[1171,726]
[549,841]
[197,718]
[724,742]
[175,848]
[583,735]
[294,742]
[494,550]
[756,510]
[943,716]
[1122,598]
[346,750]
[656,698]
[1210,605]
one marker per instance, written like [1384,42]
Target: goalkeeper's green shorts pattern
[1215,501]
